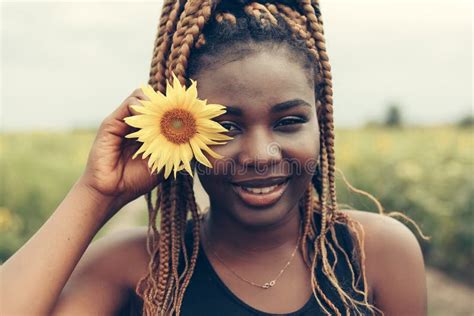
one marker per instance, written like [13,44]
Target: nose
[259,149]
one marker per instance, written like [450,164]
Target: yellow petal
[190,96]
[215,106]
[176,93]
[186,157]
[212,110]
[142,109]
[140,150]
[153,168]
[165,155]
[210,124]
[169,162]
[209,114]
[206,148]
[198,154]
[170,93]
[168,168]
[198,106]
[155,153]
[152,147]
[177,85]
[136,134]
[192,90]
[208,141]
[206,129]
[146,134]
[216,136]
[141,120]
[155,97]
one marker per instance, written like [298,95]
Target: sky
[68,64]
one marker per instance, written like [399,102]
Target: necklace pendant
[269,284]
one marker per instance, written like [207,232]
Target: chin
[264,217]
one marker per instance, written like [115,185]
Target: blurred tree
[466,121]
[393,116]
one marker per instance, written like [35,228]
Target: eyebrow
[283,106]
[279,107]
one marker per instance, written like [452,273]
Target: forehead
[260,79]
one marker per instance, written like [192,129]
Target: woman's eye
[289,121]
[229,126]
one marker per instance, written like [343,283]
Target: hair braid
[261,13]
[308,208]
[166,27]
[219,18]
[168,195]
[297,23]
[192,20]
[317,291]
[188,184]
[225,16]
[152,230]
[311,9]
[170,280]
[354,281]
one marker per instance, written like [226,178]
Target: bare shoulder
[382,226]
[394,264]
[101,282]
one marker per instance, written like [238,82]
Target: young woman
[273,240]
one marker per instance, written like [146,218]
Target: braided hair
[191,34]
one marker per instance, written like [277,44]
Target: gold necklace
[266,285]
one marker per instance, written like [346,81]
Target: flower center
[178,126]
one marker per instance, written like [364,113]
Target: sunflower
[176,127]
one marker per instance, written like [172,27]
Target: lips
[261,192]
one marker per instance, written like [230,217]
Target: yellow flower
[176,127]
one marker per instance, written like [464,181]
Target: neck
[225,232]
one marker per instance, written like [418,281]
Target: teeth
[260,190]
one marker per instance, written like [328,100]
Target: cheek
[227,150]
[303,153]
[304,144]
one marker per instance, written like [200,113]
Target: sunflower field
[427,173]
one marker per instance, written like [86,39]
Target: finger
[125,108]
[134,102]
[114,123]
[140,95]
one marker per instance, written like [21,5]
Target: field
[424,172]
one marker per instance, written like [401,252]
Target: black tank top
[207,295]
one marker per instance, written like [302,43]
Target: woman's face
[271,116]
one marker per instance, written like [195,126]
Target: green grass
[427,173]
[38,170]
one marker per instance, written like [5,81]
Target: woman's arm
[106,275]
[400,279]
[394,265]
[33,278]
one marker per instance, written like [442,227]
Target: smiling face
[271,116]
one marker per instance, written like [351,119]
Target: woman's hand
[111,172]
